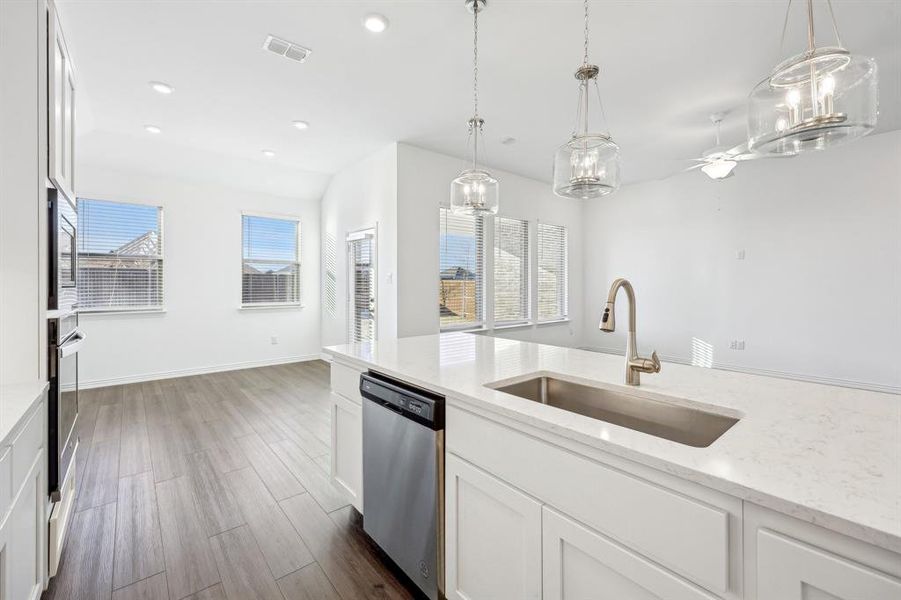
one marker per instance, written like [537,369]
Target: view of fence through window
[120,255]
[270,271]
[461,265]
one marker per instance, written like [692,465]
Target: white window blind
[361,297]
[461,270]
[270,271]
[330,286]
[553,268]
[120,256]
[511,270]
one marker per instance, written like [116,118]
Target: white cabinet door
[61,105]
[25,536]
[347,447]
[493,537]
[580,564]
[788,569]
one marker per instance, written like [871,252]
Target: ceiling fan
[720,161]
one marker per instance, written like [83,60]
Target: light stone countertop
[824,454]
[16,401]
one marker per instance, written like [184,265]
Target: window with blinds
[461,270]
[361,263]
[553,267]
[120,256]
[270,272]
[330,284]
[511,270]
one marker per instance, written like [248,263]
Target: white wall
[423,185]
[23,193]
[202,328]
[362,196]
[818,294]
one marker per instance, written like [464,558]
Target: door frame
[349,237]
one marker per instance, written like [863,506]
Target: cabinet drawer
[580,563]
[26,446]
[346,381]
[5,480]
[792,570]
[684,534]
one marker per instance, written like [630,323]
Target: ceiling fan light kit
[814,100]
[587,166]
[474,191]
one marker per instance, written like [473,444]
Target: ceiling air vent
[286,48]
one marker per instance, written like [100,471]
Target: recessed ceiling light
[269,153]
[300,124]
[162,88]
[375,23]
[152,129]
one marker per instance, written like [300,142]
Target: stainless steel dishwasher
[403,477]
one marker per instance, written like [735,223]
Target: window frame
[298,261]
[528,266]
[532,273]
[484,314]
[565,316]
[161,258]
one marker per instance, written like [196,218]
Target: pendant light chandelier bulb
[814,100]
[475,190]
[587,166]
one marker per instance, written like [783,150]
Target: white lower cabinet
[493,537]
[347,447]
[792,570]
[580,564]
[25,539]
[23,523]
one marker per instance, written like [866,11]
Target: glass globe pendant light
[475,190]
[587,166]
[814,100]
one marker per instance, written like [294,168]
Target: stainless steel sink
[684,424]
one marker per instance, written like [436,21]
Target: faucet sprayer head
[608,319]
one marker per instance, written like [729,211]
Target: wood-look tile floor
[215,487]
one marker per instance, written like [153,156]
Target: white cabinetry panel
[26,539]
[493,547]
[346,381]
[685,534]
[791,570]
[61,77]
[580,564]
[347,447]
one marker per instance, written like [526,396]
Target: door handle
[73,345]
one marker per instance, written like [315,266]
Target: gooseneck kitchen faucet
[634,364]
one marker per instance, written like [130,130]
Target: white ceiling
[666,65]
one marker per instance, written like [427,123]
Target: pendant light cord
[585,55]
[474,124]
[811,42]
[475,58]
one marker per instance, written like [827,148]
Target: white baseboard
[96,383]
[849,383]
[324,356]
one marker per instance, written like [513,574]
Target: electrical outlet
[740,254]
[274,340]
[737,345]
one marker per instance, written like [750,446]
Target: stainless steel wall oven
[63,251]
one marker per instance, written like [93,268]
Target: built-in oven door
[63,252]
[63,406]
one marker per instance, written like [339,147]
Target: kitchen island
[803,491]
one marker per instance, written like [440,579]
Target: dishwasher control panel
[415,403]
